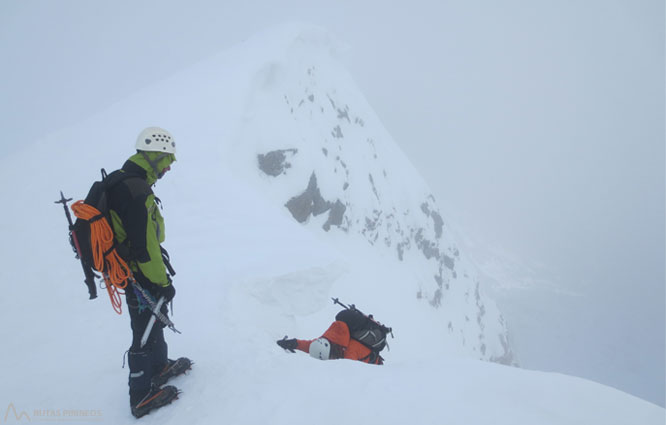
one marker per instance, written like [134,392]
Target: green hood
[151,173]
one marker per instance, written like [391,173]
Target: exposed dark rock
[436,218]
[374,188]
[346,224]
[336,215]
[337,132]
[429,248]
[436,300]
[343,114]
[507,358]
[372,223]
[439,223]
[275,163]
[401,250]
[439,279]
[311,98]
[310,202]
[481,308]
[332,102]
[320,205]
[448,262]
[307,203]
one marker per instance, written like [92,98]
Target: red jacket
[338,333]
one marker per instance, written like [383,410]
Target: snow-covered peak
[311,140]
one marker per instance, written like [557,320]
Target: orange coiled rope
[115,270]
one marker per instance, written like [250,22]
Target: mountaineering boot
[156,398]
[172,369]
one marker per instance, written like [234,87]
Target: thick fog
[539,126]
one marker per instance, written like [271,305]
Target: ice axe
[155,309]
[74,240]
[151,322]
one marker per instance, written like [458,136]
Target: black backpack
[80,230]
[364,329]
[97,197]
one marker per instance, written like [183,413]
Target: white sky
[538,124]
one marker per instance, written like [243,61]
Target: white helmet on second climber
[320,349]
[156,139]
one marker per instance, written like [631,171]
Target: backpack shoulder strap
[116,177]
[136,184]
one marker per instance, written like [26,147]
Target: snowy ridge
[323,153]
[248,274]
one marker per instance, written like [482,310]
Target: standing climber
[138,226]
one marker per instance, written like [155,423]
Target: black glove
[168,292]
[288,344]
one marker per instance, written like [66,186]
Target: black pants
[149,360]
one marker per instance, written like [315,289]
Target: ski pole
[87,270]
[154,307]
[151,323]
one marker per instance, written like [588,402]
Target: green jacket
[136,219]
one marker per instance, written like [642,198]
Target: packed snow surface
[247,275]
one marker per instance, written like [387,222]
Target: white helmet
[320,349]
[156,139]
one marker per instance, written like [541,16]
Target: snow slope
[248,274]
